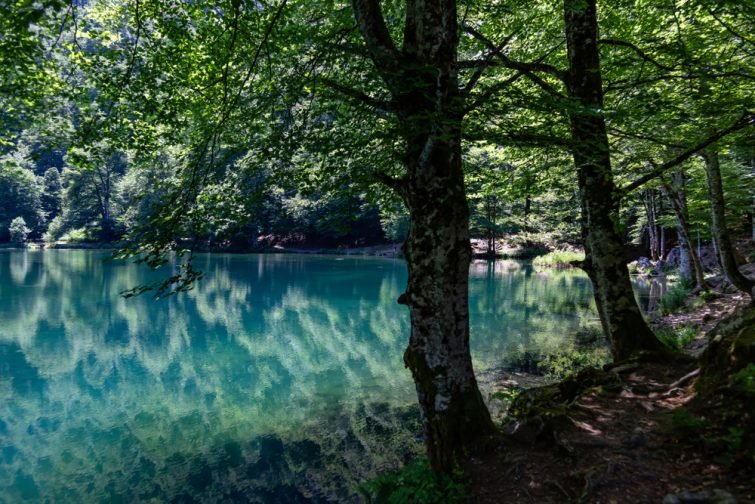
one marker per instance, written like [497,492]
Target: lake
[278,378]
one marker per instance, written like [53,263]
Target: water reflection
[277,379]
[522,311]
[649,291]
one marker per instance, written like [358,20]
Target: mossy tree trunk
[421,77]
[605,261]
[724,247]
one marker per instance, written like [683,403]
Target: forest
[611,138]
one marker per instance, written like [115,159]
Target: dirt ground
[617,446]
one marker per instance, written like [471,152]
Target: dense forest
[621,129]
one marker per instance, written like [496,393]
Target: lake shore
[673,431]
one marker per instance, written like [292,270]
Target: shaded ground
[625,438]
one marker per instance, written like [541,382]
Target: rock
[644,262]
[707,257]
[714,497]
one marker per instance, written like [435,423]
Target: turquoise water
[279,378]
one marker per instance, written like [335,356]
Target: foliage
[562,364]
[675,297]
[18,231]
[744,380]
[76,236]
[677,337]
[416,483]
[506,395]
[559,259]
[19,192]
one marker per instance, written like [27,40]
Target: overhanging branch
[357,95]
[637,50]
[747,119]
[527,68]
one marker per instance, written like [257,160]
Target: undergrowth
[675,297]
[569,362]
[676,338]
[559,259]
[416,483]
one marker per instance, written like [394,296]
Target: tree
[89,179]
[19,192]
[690,266]
[719,228]
[18,230]
[422,80]
[51,196]
[605,263]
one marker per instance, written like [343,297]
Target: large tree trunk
[693,270]
[718,226]
[605,262]
[437,251]
[425,96]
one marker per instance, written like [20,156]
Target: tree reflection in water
[278,378]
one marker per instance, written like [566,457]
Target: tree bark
[620,316]
[693,270]
[652,228]
[425,96]
[724,247]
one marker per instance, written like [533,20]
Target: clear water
[279,378]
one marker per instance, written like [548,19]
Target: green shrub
[75,235]
[676,338]
[416,483]
[744,380]
[675,297]
[558,259]
[569,362]
[707,295]
[18,230]
[54,230]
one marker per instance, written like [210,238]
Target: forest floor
[626,441]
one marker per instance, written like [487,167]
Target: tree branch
[747,119]
[484,64]
[357,95]
[625,134]
[378,40]
[398,184]
[637,50]
[527,68]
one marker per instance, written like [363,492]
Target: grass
[676,338]
[675,297]
[559,259]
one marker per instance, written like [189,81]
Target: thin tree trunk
[678,199]
[605,262]
[421,78]
[663,243]
[649,201]
[724,247]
